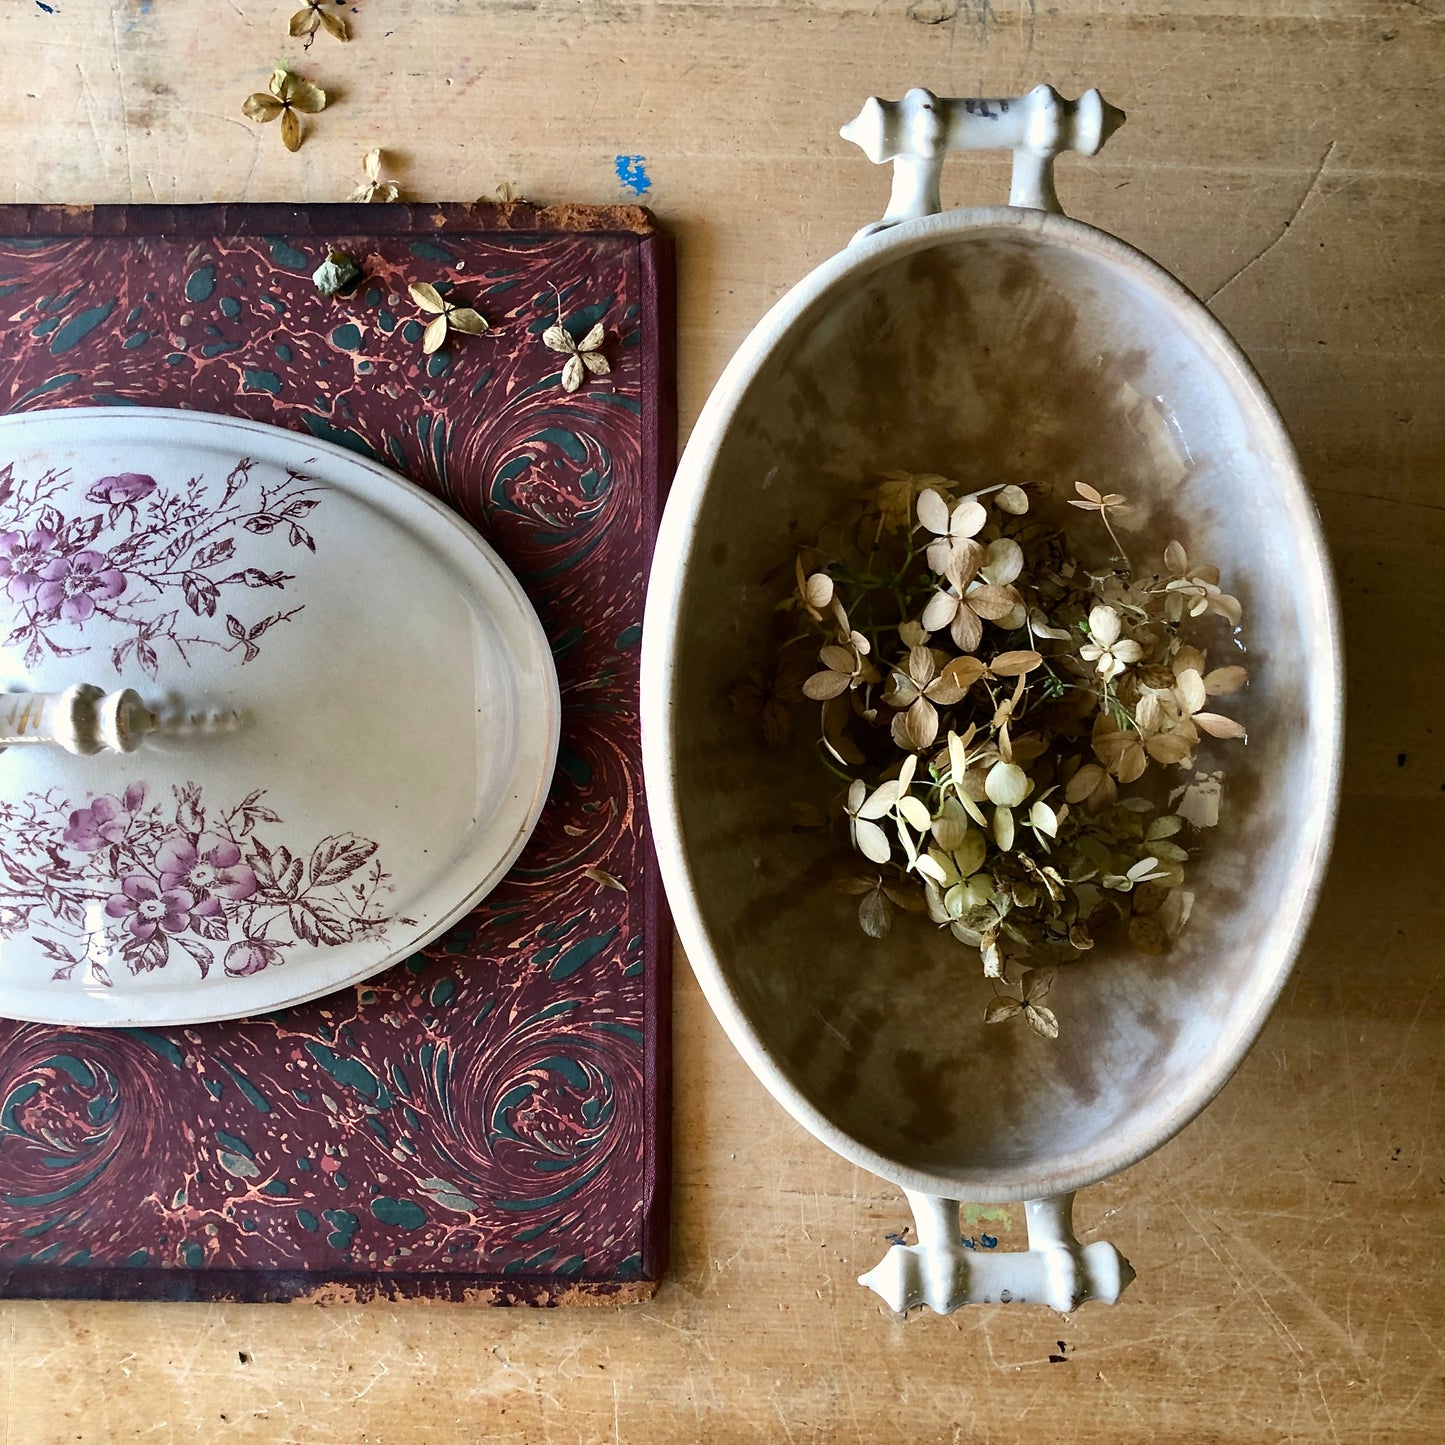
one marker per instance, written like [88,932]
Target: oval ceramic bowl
[999,344]
[356,717]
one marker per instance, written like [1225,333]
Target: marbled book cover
[488,1120]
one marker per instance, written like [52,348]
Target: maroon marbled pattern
[487,1120]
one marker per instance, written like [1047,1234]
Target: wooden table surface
[1284,158]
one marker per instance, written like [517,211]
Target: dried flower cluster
[289,97]
[373,188]
[445,316]
[582,356]
[988,701]
[314,15]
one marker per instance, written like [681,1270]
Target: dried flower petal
[1224,680]
[373,188]
[582,356]
[465,320]
[261,107]
[307,98]
[427,297]
[875,915]
[1042,1021]
[606,880]
[445,316]
[1006,784]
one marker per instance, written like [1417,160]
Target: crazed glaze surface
[390,598]
[991,346]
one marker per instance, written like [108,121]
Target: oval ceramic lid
[379,717]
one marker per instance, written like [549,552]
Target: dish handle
[83,719]
[942,1272]
[917,132]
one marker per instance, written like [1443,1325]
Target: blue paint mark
[48,9]
[79,327]
[632,172]
[988,1241]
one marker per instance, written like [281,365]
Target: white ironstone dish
[340,710]
[1000,344]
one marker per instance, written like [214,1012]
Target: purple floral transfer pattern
[164,565]
[140,883]
[487,1120]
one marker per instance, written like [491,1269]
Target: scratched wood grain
[1284,157]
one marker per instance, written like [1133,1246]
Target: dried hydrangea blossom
[314,15]
[445,316]
[582,356]
[992,708]
[285,96]
[373,188]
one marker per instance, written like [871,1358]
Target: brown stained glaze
[1025,351]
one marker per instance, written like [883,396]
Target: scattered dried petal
[1001,1008]
[1042,1021]
[605,879]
